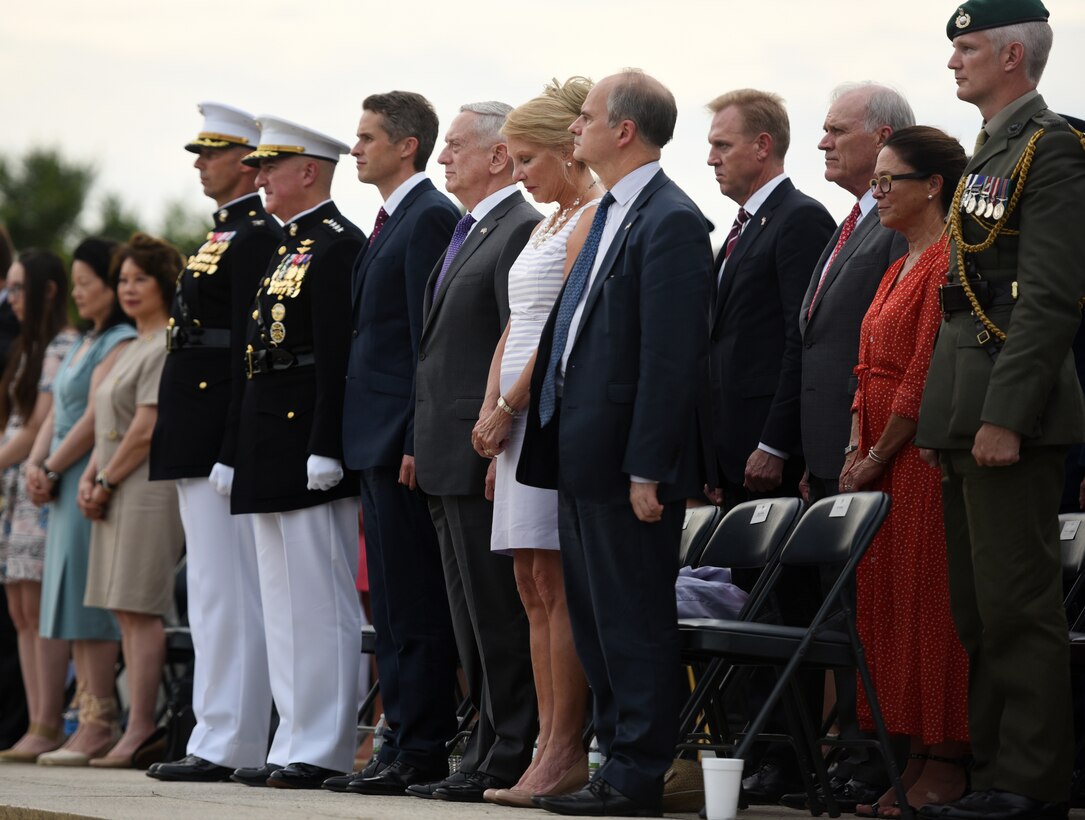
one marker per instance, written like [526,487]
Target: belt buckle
[942,299]
[983,337]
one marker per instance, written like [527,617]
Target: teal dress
[67,544]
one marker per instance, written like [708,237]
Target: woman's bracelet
[508,408]
[873,456]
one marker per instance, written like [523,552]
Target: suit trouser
[491,635]
[416,653]
[619,580]
[231,693]
[312,619]
[1005,585]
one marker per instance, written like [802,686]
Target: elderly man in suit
[613,426]
[464,311]
[1003,404]
[416,656]
[761,274]
[860,119]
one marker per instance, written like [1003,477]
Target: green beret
[977,15]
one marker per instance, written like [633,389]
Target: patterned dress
[919,667]
[22,524]
[527,517]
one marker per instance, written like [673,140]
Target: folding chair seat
[835,531]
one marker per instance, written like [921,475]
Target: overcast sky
[116,82]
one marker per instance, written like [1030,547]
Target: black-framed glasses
[884,183]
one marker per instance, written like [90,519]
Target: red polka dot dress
[919,667]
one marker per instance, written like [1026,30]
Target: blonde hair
[545,120]
[762,112]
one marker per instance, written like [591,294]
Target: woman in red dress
[919,667]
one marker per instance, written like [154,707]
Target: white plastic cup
[722,783]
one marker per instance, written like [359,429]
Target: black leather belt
[275,359]
[953,299]
[179,337]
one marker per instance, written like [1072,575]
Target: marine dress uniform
[1003,357]
[231,696]
[298,337]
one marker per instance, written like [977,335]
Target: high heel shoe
[151,750]
[54,736]
[574,779]
[93,711]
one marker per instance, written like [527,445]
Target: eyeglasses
[884,183]
[17,288]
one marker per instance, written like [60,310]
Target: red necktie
[382,217]
[736,231]
[846,229]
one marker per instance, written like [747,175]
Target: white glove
[222,478]
[324,473]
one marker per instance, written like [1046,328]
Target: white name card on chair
[1069,529]
[840,506]
[761,513]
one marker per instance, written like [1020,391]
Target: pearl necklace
[556,221]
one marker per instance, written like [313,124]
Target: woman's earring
[930,196]
[568,163]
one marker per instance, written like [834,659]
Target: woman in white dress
[525,523]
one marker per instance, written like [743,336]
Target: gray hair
[646,102]
[884,105]
[490,119]
[1035,36]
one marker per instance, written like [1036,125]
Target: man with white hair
[1003,404]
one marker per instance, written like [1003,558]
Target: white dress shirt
[400,193]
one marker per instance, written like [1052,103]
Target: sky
[115,83]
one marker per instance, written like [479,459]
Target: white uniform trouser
[231,694]
[312,620]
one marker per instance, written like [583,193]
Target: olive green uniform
[1002,522]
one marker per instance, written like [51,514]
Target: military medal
[278,311]
[278,332]
[1000,208]
[970,206]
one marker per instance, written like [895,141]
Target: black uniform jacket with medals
[299,328]
[206,338]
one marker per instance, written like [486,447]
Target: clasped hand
[491,432]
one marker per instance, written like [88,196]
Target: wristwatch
[851,448]
[52,475]
[508,408]
[103,482]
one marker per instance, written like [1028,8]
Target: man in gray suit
[465,309]
[860,119]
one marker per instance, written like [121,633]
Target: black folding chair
[748,537]
[697,528]
[835,531]
[1072,543]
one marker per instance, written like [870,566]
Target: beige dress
[135,548]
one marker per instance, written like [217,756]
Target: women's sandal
[964,762]
[13,755]
[93,711]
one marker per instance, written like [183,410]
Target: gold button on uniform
[203,385]
[290,415]
[282,250]
[112,435]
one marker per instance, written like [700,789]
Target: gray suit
[830,338]
[462,324]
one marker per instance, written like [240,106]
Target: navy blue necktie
[570,298]
[463,227]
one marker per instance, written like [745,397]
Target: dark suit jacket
[389,285]
[202,387]
[629,405]
[830,337]
[291,414]
[755,340]
[461,326]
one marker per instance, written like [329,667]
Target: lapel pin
[630,225]
[764,219]
[482,231]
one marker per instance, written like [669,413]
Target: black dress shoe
[470,789]
[767,785]
[848,794]
[597,799]
[254,777]
[995,804]
[426,790]
[340,782]
[300,776]
[394,780]
[191,769]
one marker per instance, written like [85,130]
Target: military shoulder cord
[1020,173]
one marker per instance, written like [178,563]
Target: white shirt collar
[633,183]
[758,197]
[401,192]
[866,204]
[483,208]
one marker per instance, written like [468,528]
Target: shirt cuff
[636,479]
[772,451]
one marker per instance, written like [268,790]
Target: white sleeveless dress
[527,517]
